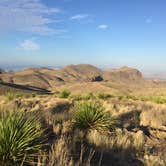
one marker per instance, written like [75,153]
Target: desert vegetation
[87,129]
[21,137]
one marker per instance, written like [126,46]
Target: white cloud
[28,16]
[79,17]
[29,45]
[103,26]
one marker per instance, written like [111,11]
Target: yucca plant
[20,137]
[90,115]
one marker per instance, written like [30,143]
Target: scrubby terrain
[81,115]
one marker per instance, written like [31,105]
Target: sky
[105,33]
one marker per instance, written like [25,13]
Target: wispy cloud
[29,45]
[79,17]
[28,16]
[103,26]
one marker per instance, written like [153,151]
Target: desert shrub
[89,115]
[76,97]
[120,97]
[64,93]
[19,95]
[20,138]
[104,96]
[131,97]
[9,96]
[88,96]
[26,95]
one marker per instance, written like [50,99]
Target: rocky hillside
[82,72]
[48,78]
[124,74]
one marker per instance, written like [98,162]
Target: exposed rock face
[97,78]
[123,74]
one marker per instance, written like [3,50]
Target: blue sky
[105,33]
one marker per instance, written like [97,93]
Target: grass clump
[104,96]
[9,96]
[90,115]
[20,138]
[78,97]
[64,93]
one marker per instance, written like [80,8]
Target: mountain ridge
[47,78]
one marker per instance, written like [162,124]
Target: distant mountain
[124,74]
[82,72]
[47,78]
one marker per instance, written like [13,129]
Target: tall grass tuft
[9,96]
[20,137]
[90,115]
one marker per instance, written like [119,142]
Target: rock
[97,78]
[59,79]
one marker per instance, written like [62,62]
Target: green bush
[104,96]
[88,96]
[64,93]
[76,97]
[9,96]
[92,115]
[21,137]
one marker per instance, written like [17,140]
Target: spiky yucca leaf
[92,115]
[20,137]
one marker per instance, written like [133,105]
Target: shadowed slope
[5,87]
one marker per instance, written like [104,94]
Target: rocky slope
[48,78]
[124,74]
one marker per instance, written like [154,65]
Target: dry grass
[150,160]
[118,140]
[126,144]
[58,155]
[155,118]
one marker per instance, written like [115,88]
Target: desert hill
[78,78]
[47,78]
[82,72]
[124,74]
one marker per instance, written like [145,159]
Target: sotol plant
[20,137]
[90,115]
